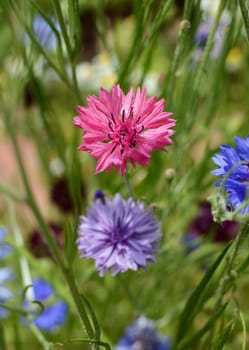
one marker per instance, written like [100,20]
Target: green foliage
[197,299]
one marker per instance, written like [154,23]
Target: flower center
[117,234]
[124,132]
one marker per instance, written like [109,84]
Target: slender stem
[68,272]
[39,336]
[12,194]
[125,285]
[2,338]
[24,266]
[231,260]
[57,7]
[245,14]
[68,46]
[48,234]
[208,47]
[128,185]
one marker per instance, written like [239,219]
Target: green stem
[12,194]
[39,336]
[63,27]
[208,47]
[67,272]
[21,19]
[68,46]
[3,344]
[245,14]
[128,185]
[24,266]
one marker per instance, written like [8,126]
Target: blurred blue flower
[54,313]
[233,169]
[142,335]
[43,33]
[6,274]
[5,249]
[118,234]
[202,34]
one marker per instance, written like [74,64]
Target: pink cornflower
[121,128]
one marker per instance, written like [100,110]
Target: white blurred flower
[100,72]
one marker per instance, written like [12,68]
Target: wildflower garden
[124,177]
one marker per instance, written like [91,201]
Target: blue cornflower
[118,234]
[43,33]
[234,172]
[142,335]
[54,313]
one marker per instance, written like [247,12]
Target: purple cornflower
[54,313]
[118,234]
[142,335]
[233,169]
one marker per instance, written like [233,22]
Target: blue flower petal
[52,317]
[5,250]
[42,289]
[6,274]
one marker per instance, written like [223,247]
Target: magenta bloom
[118,235]
[121,128]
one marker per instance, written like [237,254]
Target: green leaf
[82,340]
[196,300]
[189,342]
[93,317]
[3,345]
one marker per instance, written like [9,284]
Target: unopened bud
[170,173]
[185,24]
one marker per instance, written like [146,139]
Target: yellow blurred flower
[234,59]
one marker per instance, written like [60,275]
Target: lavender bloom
[142,335]
[118,234]
[54,313]
[233,169]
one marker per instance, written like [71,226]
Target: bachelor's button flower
[233,169]
[121,128]
[54,313]
[142,335]
[118,234]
